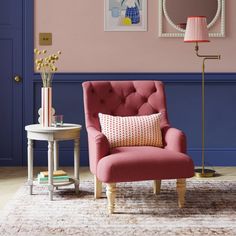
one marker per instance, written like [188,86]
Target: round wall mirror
[177,11]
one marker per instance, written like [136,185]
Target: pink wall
[77,28]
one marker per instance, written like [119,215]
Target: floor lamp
[196,32]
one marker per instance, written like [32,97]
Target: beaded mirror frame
[163,16]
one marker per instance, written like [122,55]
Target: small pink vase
[46,105]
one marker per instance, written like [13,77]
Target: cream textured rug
[210,210]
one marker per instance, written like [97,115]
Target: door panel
[11,13]
[6,95]
[10,91]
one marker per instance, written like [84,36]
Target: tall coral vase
[46,105]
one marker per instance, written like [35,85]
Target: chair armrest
[174,139]
[98,147]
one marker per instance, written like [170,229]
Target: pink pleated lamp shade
[196,30]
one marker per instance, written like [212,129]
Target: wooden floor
[12,178]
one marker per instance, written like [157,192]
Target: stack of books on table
[59,176]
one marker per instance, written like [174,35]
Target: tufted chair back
[123,98]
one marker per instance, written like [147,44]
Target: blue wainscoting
[183,92]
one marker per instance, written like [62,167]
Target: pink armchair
[136,163]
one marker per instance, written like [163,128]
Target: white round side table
[52,135]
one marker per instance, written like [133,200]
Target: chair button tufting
[110,90]
[95,115]
[102,101]
[92,90]
[122,100]
[154,90]
[145,99]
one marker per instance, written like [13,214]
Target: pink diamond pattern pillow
[131,130]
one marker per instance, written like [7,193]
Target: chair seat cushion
[126,164]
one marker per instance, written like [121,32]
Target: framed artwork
[125,15]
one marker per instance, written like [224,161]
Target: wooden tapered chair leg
[111,195]
[97,187]
[156,186]
[181,190]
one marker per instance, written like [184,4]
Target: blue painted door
[10,89]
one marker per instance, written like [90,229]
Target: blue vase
[133,14]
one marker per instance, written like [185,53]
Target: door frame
[28,71]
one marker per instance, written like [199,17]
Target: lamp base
[207,173]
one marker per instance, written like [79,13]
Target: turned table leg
[30,165]
[56,155]
[50,170]
[76,164]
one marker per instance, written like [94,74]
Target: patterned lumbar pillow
[132,130]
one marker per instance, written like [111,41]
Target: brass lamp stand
[202,172]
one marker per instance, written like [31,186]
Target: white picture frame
[115,15]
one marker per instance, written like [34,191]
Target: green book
[64,178]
